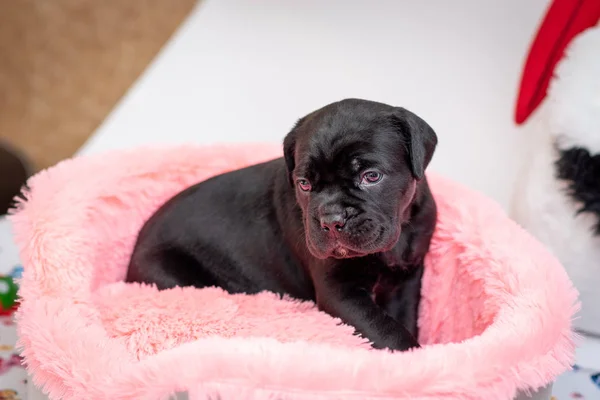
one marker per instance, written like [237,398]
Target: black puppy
[344,219]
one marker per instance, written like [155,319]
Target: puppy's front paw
[397,344]
[411,344]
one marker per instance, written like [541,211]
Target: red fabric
[564,20]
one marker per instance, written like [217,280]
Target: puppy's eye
[304,185]
[370,177]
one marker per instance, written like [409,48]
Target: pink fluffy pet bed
[495,317]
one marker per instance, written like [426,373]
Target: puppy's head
[355,166]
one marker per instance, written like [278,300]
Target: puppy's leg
[403,303]
[351,301]
[167,269]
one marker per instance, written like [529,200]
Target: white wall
[242,70]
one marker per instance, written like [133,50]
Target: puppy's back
[208,233]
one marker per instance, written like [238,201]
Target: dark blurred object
[14,172]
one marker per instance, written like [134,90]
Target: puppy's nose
[333,221]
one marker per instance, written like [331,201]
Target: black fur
[582,172]
[309,225]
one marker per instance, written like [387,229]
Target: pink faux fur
[496,304]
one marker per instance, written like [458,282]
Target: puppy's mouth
[341,249]
[341,252]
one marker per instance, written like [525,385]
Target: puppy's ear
[421,140]
[289,150]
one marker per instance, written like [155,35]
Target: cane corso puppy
[344,219]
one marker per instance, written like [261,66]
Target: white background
[242,70]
